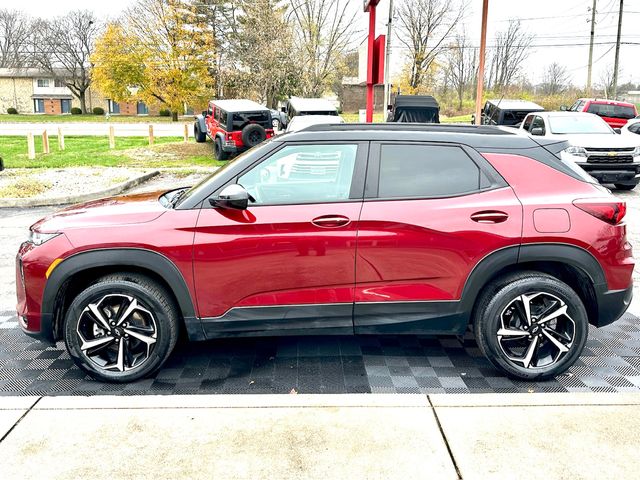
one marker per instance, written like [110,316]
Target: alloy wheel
[117,333]
[536,330]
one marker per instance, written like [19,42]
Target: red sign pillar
[370,6]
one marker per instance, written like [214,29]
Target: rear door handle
[489,216]
[331,221]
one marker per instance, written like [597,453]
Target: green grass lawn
[94,151]
[88,117]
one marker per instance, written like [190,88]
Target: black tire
[218,152]
[155,316]
[200,136]
[253,134]
[621,186]
[500,300]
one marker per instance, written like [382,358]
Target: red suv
[615,113]
[340,229]
[234,126]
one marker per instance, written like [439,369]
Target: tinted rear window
[611,111]
[244,118]
[426,171]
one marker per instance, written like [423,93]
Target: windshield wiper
[176,198]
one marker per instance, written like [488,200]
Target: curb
[69,199]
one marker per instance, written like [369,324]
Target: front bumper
[613,173]
[612,304]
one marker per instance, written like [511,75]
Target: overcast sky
[554,23]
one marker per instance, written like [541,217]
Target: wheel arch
[77,271]
[201,123]
[573,265]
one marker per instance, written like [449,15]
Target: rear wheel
[530,325]
[122,328]
[621,186]
[218,152]
[199,135]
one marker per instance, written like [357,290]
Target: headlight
[38,238]
[575,152]
[636,152]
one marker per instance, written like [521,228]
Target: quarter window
[426,171]
[302,174]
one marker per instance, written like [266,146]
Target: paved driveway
[386,364]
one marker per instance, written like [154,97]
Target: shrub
[76,111]
[12,111]
[164,112]
[98,111]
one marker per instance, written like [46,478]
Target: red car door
[431,213]
[287,262]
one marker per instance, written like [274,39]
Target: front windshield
[577,124]
[203,184]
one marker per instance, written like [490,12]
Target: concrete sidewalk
[322,436]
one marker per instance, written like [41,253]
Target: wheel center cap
[535,329]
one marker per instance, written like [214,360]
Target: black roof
[477,136]
[416,101]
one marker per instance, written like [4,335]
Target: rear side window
[426,171]
[612,111]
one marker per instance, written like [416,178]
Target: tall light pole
[593,26]
[615,66]
[483,47]
[387,80]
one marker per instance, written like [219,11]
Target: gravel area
[169,179]
[53,183]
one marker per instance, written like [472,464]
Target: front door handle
[489,216]
[331,221]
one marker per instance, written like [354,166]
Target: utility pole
[483,47]
[593,27]
[615,66]
[387,80]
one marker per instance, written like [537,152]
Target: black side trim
[329,319]
[413,318]
[125,257]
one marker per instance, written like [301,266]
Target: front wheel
[122,328]
[621,186]
[530,325]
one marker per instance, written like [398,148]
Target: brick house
[31,90]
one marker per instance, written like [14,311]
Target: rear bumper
[612,304]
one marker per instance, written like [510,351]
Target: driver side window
[302,174]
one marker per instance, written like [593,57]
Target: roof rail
[411,127]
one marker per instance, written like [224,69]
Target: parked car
[411,229]
[595,146]
[299,123]
[631,127]
[414,109]
[234,126]
[506,112]
[297,106]
[613,112]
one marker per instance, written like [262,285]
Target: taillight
[610,211]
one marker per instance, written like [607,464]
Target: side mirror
[617,130]
[283,109]
[563,108]
[233,197]
[537,131]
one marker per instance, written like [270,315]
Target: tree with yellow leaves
[157,53]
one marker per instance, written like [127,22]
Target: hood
[601,140]
[121,210]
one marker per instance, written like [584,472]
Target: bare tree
[325,30]
[15,32]
[66,45]
[462,65]
[424,25]
[510,52]
[555,79]
[606,80]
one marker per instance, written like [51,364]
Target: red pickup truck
[615,113]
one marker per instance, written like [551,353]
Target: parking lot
[372,364]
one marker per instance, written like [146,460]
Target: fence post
[186,133]
[112,138]
[150,135]
[45,142]
[60,139]
[31,147]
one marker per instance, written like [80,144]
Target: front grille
[625,149]
[610,159]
